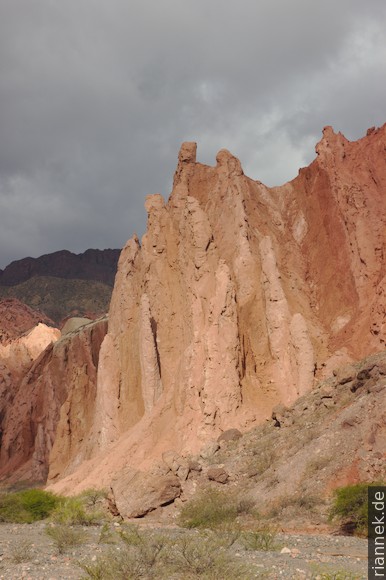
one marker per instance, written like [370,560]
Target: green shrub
[65,536]
[106,536]
[93,496]
[263,539]
[209,509]
[27,506]
[72,511]
[350,506]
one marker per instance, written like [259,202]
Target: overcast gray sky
[97,95]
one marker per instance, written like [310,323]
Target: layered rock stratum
[239,297]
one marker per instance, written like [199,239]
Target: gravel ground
[296,556]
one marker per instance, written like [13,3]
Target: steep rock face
[240,297]
[16,319]
[17,356]
[343,243]
[20,353]
[58,386]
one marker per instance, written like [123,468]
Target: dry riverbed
[28,552]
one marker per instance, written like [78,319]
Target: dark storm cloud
[96,97]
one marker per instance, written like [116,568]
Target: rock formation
[53,402]
[24,334]
[18,352]
[17,318]
[239,297]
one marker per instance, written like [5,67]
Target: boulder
[230,435]
[137,493]
[218,474]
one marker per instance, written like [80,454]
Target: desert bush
[263,458]
[323,573]
[213,508]
[138,556]
[98,570]
[93,496]
[296,502]
[149,555]
[148,546]
[350,505]
[27,506]
[21,552]
[73,511]
[227,534]
[246,506]
[204,556]
[131,535]
[106,535]
[261,539]
[65,536]
[316,464]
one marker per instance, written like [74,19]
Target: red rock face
[58,387]
[239,297]
[16,359]
[16,319]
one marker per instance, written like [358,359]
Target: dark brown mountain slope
[62,284]
[59,298]
[99,265]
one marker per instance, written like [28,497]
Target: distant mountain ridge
[61,298]
[98,265]
[62,284]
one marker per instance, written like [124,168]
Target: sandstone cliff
[17,318]
[239,297]
[24,334]
[18,352]
[58,386]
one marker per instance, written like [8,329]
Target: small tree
[350,506]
